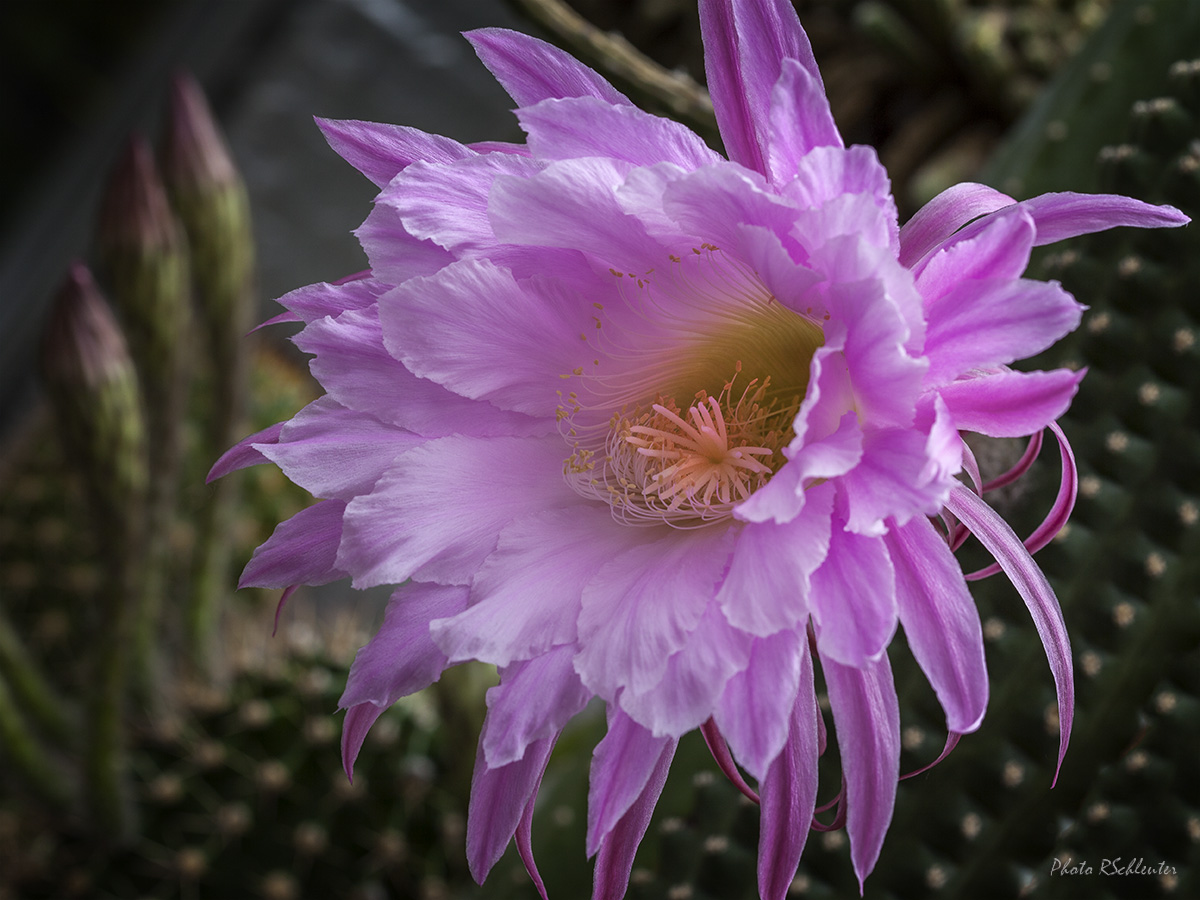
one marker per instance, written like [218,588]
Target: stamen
[653,461]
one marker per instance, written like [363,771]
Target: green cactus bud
[94,389]
[98,408]
[144,256]
[213,204]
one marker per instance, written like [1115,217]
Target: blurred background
[211,769]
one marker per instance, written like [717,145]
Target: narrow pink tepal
[631,420]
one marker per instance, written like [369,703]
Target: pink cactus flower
[632,420]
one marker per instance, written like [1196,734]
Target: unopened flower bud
[94,389]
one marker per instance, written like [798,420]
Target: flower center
[717,337]
[703,467]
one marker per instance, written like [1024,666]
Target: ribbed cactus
[144,260]
[243,796]
[208,192]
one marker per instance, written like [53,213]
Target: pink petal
[401,658]
[587,126]
[417,522]
[1060,512]
[316,301]
[767,584]
[995,534]
[949,211]
[525,598]
[448,203]
[355,728]
[301,550]
[499,798]
[783,497]
[995,322]
[998,249]
[756,706]
[745,45]
[799,120]
[724,759]
[892,481]
[395,254]
[1064,215]
[642,605]
[532,70]
[886,378]
[1010,404]
[828,172]
[867,718]
[475,330]
[694,678]
[572,203]
[789,794]
[940,622]
[524,840]
[334,452]
[853,599]
[719,201]
[358,372]
[382,151]
[244,453]
[624,765]
[534,700]
[618,848]
[859,215]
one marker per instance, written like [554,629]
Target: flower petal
[867,719]
[618,848]
[335,452]
[1064,501]
[572,203]
[448,203]
[853,599]
[401,658]
[892,481]
[940,622]
[799,120]
[315,301]
[359,373]
[532,70]
[949,211]
[244,453]
[1010,404]
[475,330]
[425,521]
[381,151]
[995,322]
[996,535]
[757,704]
[396,255]
[524,838]
[301,550]
[624,765]
[358,722]
[534,700]
[643,604]
[997,250]
[499,798]
[766,587]
[694,678]
[789,792]
[745,45]
[525,598]
[1065,215]
[586,126]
